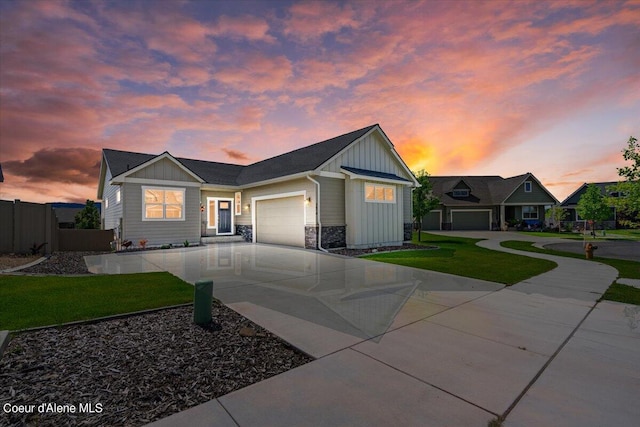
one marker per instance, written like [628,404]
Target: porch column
[503,222]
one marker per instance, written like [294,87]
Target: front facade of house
[570,204]
[350,191]
[487,202]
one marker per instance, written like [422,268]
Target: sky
[459,87]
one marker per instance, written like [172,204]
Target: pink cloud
[235,154]
[256,72]
[310,20]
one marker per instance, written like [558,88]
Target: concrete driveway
[401,346]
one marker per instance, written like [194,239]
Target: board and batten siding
[302,184]
[332,201]
[163,169]
[370,153]
[407,200]
[111,215]
[161,232]
[372,224]
[537,195]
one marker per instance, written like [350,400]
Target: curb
[20,267]
[4,341]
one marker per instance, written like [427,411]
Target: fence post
[17,229]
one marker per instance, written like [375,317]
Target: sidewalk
[456,352]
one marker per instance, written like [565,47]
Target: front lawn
[32,301]
[626,268]
[616,292]
[461,256]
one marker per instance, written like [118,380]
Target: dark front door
[224,217]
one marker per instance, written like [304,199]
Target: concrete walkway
[400,346]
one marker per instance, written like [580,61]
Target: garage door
[431,221]
[471,220]
[280,221]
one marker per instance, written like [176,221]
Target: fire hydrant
[588,250]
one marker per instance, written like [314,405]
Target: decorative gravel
[62,263]
[135,370]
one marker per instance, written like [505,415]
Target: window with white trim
[529,212]
[163,204]
[528,187]
[378,193]
[461,193]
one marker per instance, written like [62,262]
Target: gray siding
[372,224]
[370,153]
[111,215]
[407,200]
[332,201]
[161,232]
[537,195]
[302,184]
[164,169]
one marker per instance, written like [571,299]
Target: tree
[88,217]
[627,200]
[423,199]
[593,206]
[555,214]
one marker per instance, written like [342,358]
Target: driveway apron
[402,346]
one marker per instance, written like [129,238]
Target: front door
[224,216]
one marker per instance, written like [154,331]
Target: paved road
[621,249]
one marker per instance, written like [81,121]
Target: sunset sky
[460,88]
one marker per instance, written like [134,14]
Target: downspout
[318,213]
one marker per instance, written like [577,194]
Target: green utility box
[202,297]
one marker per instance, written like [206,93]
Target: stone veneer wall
[332,237]
[408,229]
[246,231]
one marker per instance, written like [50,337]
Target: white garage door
[280,221]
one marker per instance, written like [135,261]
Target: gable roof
[485,190]
[298,161]
[574,197]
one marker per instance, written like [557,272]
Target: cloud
[255,72]
[243,27]
[58,165]
[235,154]
[312,19]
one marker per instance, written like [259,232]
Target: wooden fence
[25,226]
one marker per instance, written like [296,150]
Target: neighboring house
[353,190]
[571,203]
[487,202]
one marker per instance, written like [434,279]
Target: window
[238,203]
[527,187]
[461,193]
[529,212]
[377,193]
[117,196]
[163,203]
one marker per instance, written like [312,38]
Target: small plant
[186,243]
[35,249]
[143,243]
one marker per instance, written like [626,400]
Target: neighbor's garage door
[280,221]
[431,221]
[470,220]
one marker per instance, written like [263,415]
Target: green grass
[616,292]
[29,301]
[562,235]
[461,256]
[626,268]
[628,234]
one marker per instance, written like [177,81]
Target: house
[353,190]
[487,202]
[570,204]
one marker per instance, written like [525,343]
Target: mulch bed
[137,369]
